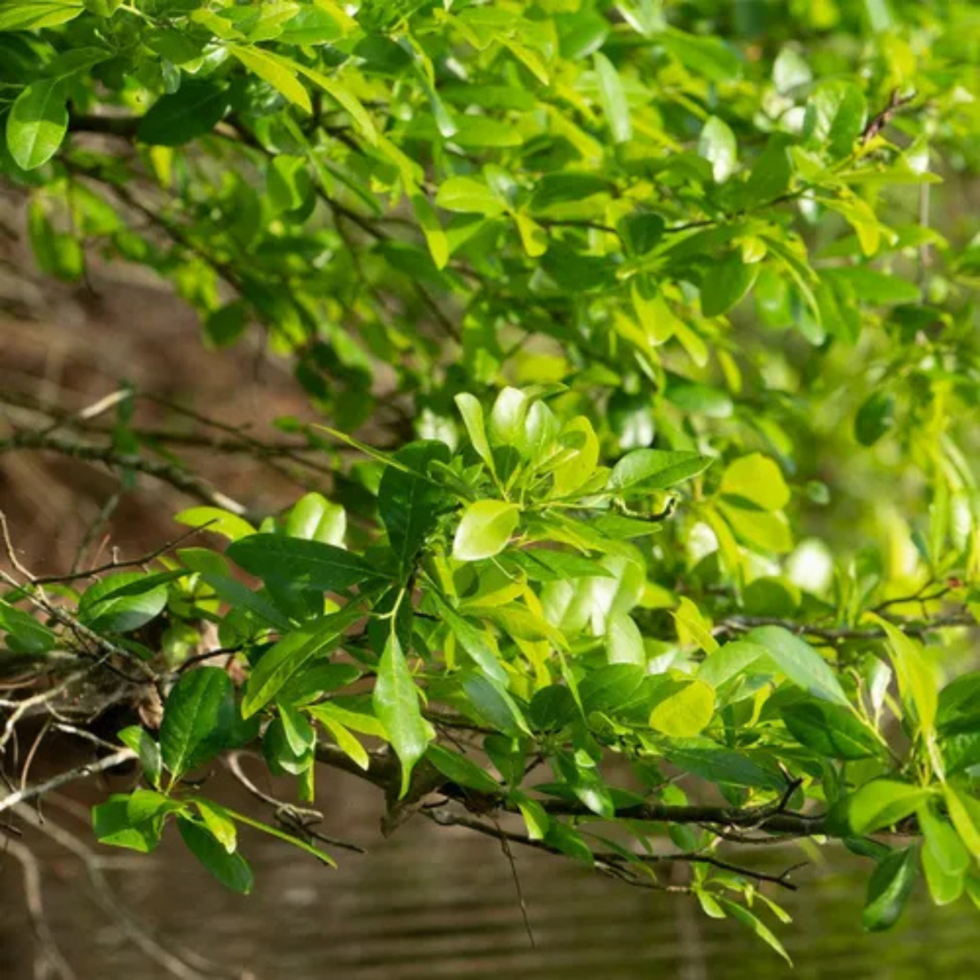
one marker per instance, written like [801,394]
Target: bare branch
[89,769]
[297,820]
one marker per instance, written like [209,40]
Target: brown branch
[115,564]
[182,963]
[772,818]
[177,478]
[33,898]
[608,859]
[89,769]
[740,624]
[297,820]
[880,120]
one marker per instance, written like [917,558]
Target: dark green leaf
[24,632]
[726,283]
[197,719]
[299,563]
[830,730]
[409,501]
[284,662]
[123,602]
[231,870]
[889,889]
[192,111]
[461,770]
[874,418]
[113,825]
[492,704]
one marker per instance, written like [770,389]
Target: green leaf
[239,597]
[916,678]
[112,825]
[759,530]
[552,708]
[231,869]
[717,145]
[461,770]
[350,746]
[315,679]
[299,563]
[284,661]
[755,479]
[644,470]
[356,720]
[959,704]
[409,502]
[218,521]
[296,729]
[485,529]
[494,705]
[726,283]
[311,25]
[692,626]
[469,196]
[225,325]
[889,889]
[314,518]
[942,843]
[964,812]
[123,602]
[709,761]
[218,823]
[686,712]
[757,926]
[642,232]
[882,803]
[143,744]
[535,816]
[146,805]
[708,57]
[32,16]
[27,634]
[396,703]
[37,123]
[341,95]
[771,175]
[800,663]
[875,418]
[276,71]
[624,643]
[944,887]
[835,115]
[870,286]
[830,730]
[731,661]
[472,412]
[478,644]
[557,189]
[508,418]
[612,99]
[197,719]
[192,111]
[610,686]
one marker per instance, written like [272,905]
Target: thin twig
[119,758]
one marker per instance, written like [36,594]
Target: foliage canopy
[677,387]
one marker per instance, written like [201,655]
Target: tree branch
[177,478]
[741,624]
[89,769]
